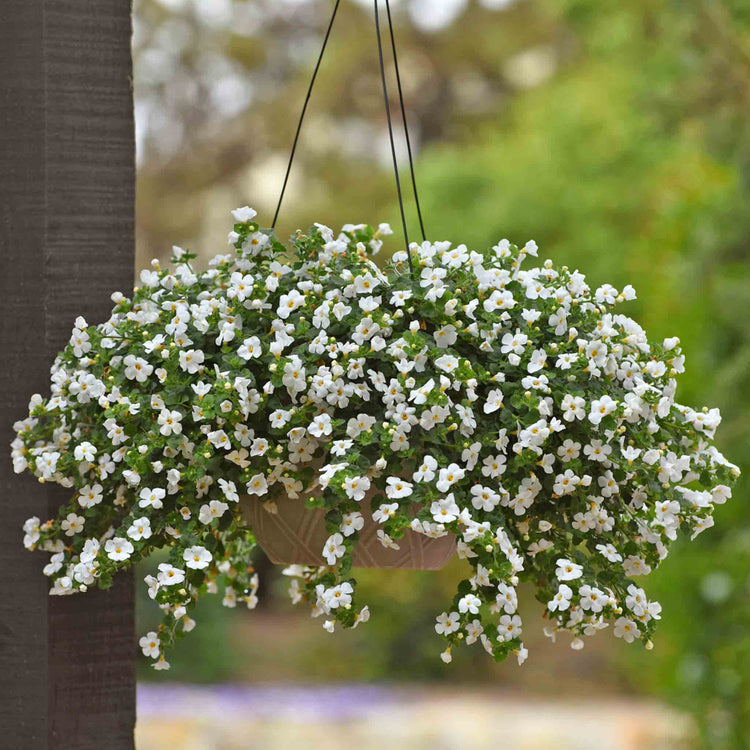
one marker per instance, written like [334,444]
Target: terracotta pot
[297,534]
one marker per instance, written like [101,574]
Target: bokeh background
[615,133]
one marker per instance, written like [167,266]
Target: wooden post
[67,676]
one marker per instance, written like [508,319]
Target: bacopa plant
[512,409]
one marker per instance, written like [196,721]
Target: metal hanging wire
[388,116]
[304,109]
[403,119]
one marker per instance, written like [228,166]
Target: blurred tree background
[614,133]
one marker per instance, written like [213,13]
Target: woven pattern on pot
[295,535]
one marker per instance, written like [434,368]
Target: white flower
[259,447]
[84,451]
[629,453]
[494,401]
[456,257]
[149,644]
[470,455]
[445,336]
[701,524]
[362,423]
[447,623]
[365,331]
[201,389]
[339,596]
[334,548]
[197,557]
[118,548]
[494,466]
[385,540]
[597,451]
[567,570]
[219,439]
[244,215]
[514,343]
[432,277]
[445,510]
[72,524]
[251,348]
[351,523]
[90,495]
[365,284]
[573,407]
[136,368]
[507,598]
[202,485]
[400,297]
[46,464]
[509,627]
[170,422]
[385,512]
[426,471]
[447,363]
[140,529]
[210,511]
[279,418]
[469,603]
[341,447]
[191,360]
[230,598]
[31,532]
[636,600]
[294,377]
[449,476]
[484,498]
[356,487]
[161,663]
[592,598]
[152,497]
[229,490]
[635,566]
[397,488]
[320,426]
[288,303]
[610,552]
[169,575]
[499,300]
[257,485]
[566,483]
[626,629]
[601,408]
[569,450]
[561,599]
[566,361]
[538,359]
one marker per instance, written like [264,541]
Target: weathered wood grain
[66,242]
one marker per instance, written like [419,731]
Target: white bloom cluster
[511,408]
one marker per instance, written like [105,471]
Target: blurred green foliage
[634,165]
[629,159]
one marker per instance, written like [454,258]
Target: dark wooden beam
[67,678]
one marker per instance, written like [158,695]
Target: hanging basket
[296,535]
[514,408]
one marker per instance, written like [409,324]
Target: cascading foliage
[514,409]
